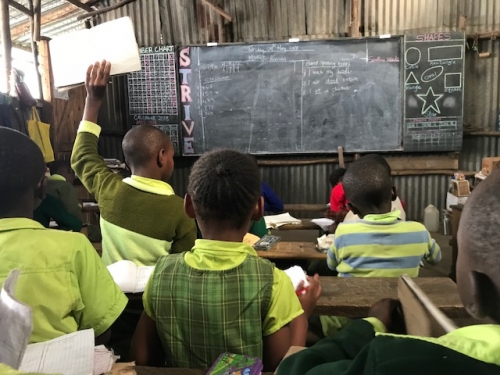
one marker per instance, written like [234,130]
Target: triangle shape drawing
[411,79]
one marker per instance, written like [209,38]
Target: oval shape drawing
[432,73]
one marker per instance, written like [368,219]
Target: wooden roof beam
[79,4]
[104,10]
[19,7]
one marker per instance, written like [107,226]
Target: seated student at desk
[397,204]
[367,347]
[220,296]
[62,278]
[60,185]
[141,217]
[380,244]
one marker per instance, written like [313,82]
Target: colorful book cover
[236,364]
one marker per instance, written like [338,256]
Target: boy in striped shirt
[379,244]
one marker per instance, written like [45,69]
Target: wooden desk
[353,297]
[283,250]
[91,209]
[293,250]
[306,224]
[456,213]
[305,207]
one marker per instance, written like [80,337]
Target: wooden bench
[353,297]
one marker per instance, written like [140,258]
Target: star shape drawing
[430,101]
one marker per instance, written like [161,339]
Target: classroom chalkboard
[152,92]
[433,95]
[303,97]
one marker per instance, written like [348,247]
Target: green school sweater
[357,350]
[141,219]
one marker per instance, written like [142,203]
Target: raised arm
[89,167]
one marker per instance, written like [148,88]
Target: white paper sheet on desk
[103,360]
[323,223]
[71,54]
[15,323]
[71,354]
[90,204]
[276,221]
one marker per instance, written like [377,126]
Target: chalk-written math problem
[292,97]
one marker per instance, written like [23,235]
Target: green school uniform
[141,218]
[219,297]
[363,349]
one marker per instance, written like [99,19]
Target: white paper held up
[114,41]
[15,323]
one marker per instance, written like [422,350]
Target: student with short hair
[60,185]
[338,202]
[141,217]
[367,347]
[380,244]
[62,278]
[397,204]
[220,296]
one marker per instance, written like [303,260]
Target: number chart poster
[434,91]
[152,92]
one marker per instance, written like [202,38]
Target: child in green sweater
[365,347]
[141,217]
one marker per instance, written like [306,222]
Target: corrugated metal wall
[184,22]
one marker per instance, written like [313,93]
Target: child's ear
[258,210]
[394,194]
[160,160]
[354,210]
[189,207]
[485,297]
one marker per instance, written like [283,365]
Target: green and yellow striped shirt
[381,246]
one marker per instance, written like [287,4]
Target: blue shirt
[271,201]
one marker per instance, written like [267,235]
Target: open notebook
[71,54]
[130,277]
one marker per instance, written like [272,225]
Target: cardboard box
[460,188]
[490,164]
[452,200]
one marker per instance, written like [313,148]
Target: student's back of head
[368,188]
[379,159]
[149,152]
[224,187]
[62,168]
[22,171]
[478,264]
[336,176]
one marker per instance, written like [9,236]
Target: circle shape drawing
[413,56]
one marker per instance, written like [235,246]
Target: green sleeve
[258,228]
[344,354]
[54,208]
[99,300]
[89,167]
[185,235]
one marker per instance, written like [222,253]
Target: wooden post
[46,70]
[6,43]
[354,19]
[35,9]
[341,157]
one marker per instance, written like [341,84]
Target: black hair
[336,175]
[479,223]
[224,186]
[21,168]
[59,166]
[367,184]
[143,142]
[377,158]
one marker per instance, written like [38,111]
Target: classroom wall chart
[434,91]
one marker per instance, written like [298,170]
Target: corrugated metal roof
[58,17]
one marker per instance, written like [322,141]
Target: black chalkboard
[304,97]
[152,92]
[434,84]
